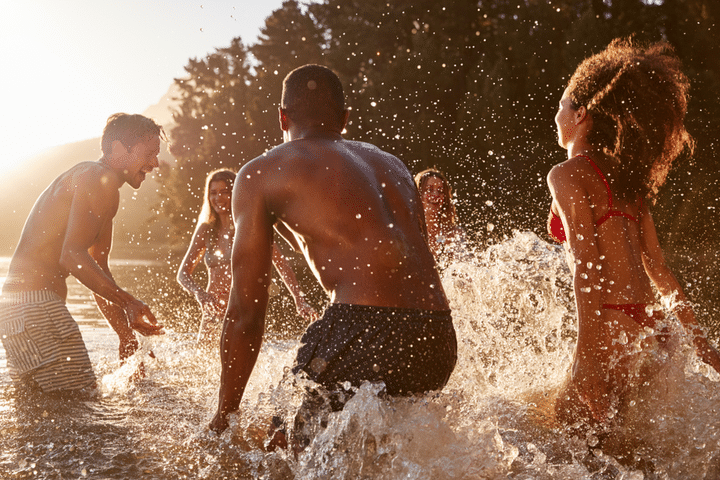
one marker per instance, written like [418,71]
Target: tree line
[468,86]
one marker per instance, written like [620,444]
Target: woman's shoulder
[574,170]
[203,230]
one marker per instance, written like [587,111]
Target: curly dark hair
[637,97]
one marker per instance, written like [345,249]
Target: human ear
[344,119]
[282,117]
[118,148]
[580,115]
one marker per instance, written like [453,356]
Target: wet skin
[69,232]
[354,212]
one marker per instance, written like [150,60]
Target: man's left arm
[85,251]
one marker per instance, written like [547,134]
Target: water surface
[514,314]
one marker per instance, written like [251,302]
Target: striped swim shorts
[43,342]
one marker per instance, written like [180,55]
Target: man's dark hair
[313,95]
[129,130]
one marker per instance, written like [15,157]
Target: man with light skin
[355,213]
[69,232]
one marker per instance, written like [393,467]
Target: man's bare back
[354,212]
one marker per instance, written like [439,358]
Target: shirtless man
[69,232]
[355,213]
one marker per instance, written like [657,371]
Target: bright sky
[69,64]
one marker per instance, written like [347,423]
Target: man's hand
[705,351]
[142,320]
[128,346]
[305,310]
[219,423]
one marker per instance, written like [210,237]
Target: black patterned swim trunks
[410,350]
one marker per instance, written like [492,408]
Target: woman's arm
[668,286]
[304,309]
[192,258]
[590,368]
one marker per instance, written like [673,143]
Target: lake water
[514,317]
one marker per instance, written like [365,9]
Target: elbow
[184,276]
[67,260]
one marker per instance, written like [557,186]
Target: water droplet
[358,215]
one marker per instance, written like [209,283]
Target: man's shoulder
[94,174]
[303,156]
[91,178]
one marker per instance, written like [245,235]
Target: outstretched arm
[85,252]
[195,251]
[251,271]
[283,267]
[118,317]
[668,286]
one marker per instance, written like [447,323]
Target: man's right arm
[251,271]
[89,226]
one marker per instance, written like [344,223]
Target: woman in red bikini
[621,121]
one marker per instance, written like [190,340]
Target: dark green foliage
[468,86]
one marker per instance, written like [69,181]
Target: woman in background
[444,236]
[212,242]
[621,120]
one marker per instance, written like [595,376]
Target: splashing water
[514,315]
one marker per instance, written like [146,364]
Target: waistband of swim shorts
[35,296]
[371,312]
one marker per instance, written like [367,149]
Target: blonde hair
[448,215]
[207,213]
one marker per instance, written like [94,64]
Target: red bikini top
[555,225]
